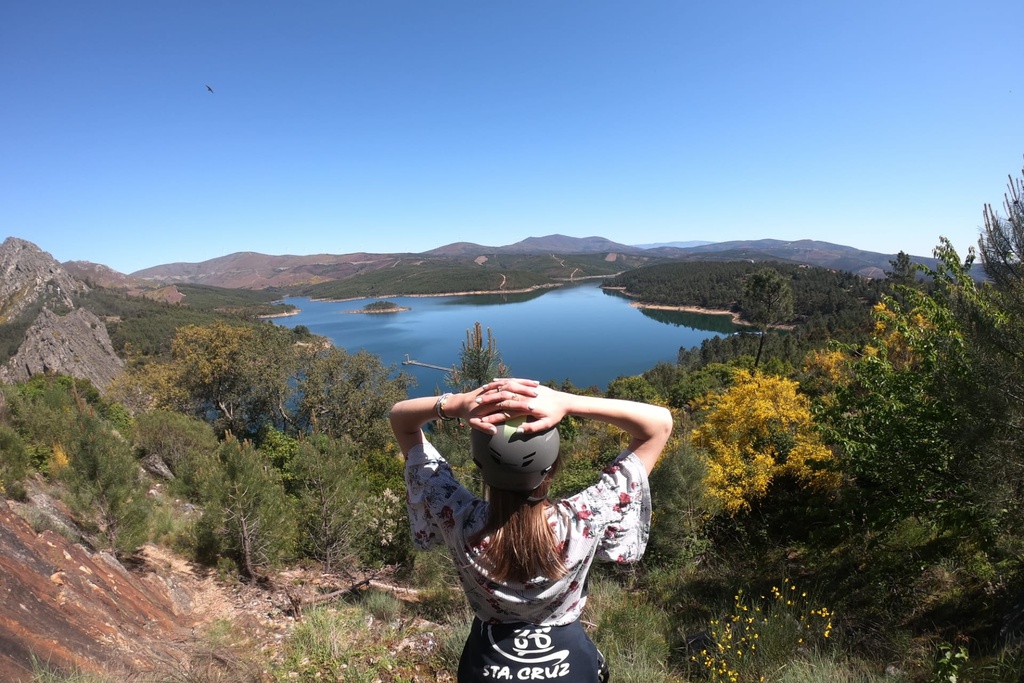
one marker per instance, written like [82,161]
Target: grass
[225,654]
[42,672]
[827,668]
[630,631]
[347,643]
[759,636]
[450,642]
[382,605]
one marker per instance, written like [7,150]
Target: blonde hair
[522,545]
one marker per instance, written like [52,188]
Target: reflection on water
[703,321]
[576,332]
[494,299]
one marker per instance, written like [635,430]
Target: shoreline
[286,314]
[734,317]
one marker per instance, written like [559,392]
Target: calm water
[580,333]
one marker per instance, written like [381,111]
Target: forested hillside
[817,292]
[141,327]
[827,305]
[484,273]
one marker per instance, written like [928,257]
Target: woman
[522,559]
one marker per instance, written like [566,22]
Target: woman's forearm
[408,417]
[648,426]
[640,420]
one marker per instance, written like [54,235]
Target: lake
[578,332]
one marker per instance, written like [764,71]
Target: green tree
[239,374]
[348,395]
[105,483]
[678,492]
[257,515]
[479,362]
[633,388]
[695,384]
[903,272]
[1002,242]
[328,496]
[15,463]
[172,438]
[915,423]
[43,411]
[767,301]
[1001,333]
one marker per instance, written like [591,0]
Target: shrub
[172,437]
[105,485]
[632,636]
[15,463]
[760,636]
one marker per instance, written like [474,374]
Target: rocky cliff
[30,276]
[66,607]
[34,284]
[76,344]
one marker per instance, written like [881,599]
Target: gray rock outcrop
[29,275]
[76,344]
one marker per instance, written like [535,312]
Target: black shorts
[529,652]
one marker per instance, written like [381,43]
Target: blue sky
[402,125]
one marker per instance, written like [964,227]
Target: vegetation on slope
[492,273]
[142,328]
[820,295]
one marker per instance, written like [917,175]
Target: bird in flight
[209,88]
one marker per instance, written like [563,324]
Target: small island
[381,307]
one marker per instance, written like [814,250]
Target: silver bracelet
[439,406]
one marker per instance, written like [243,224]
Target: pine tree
[479,364]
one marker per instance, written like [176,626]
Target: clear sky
[340,126]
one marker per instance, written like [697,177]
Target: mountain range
[255,270]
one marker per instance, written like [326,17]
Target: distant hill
[250,270]
[98,275]
[552,244]
[810,252]
[678,245]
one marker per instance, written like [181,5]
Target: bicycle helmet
[512,461]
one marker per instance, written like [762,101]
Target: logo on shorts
[533,655]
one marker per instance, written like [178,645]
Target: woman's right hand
[505,399]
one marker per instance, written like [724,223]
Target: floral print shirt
[609,521]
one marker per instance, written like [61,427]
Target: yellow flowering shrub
[759,636]
[902,334]
[58,461]
[823,371]
[755,431]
